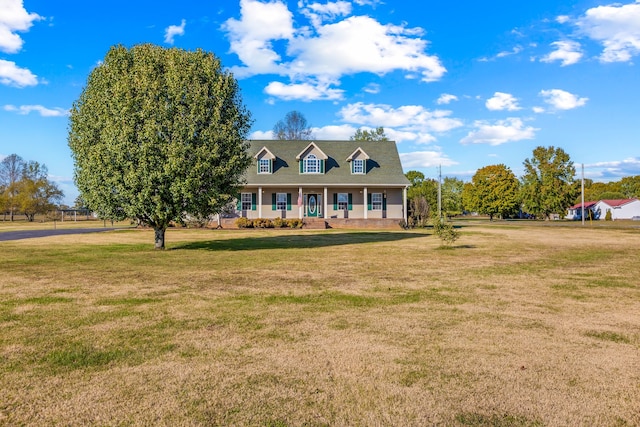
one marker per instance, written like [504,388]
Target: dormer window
[312,160]
[264,165]
[357,166]
[264,160]
[358,160]
[311,164]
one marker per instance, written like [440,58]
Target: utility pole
[440,193]
[582,189]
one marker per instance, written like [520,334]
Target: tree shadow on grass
[297,241]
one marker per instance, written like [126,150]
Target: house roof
[264,150]
[587,205]
[355,153]
[614,203]
[310,147]
[383,166]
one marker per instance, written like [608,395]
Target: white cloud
[568,52]
[325,51]
[617,27]
[513,51]
[372,88]
[303,91]
[334,133]
[317,12]
[174,30]
[14,18]
[562,100]
[538,110]
[361,44]
[251,37]
[503,131]
[446,98]
[43,111]
[504,53]
[562,19]
[261,135]
[502,101]
[425,159]
[407,117]
[12,75]
[617,169]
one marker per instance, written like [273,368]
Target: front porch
[329,203]
[324,223]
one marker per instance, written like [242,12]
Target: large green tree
[36,193]
[493,191]
[292,128]
[630,186]
[452,196]
[370,135]
[157,134]
[548,184]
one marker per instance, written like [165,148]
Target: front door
[312,205]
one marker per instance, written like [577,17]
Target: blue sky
[460,85]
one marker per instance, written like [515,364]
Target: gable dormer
[312,160]
[264,161]
[358,160]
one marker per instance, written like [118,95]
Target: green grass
[514,325]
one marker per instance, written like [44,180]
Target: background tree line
[25,188]
[548,186]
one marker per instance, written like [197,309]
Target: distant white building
[575,211]
[620,209]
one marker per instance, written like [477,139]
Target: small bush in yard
[279,222]
[294,223]
[244,223]
[262,223]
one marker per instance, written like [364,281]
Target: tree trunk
[159,236]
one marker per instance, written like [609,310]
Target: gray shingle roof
[383,167]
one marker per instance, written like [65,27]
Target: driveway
[30,234]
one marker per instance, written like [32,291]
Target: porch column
[404,204]
[366,207]
[326,205]
[300,205]
[259,202]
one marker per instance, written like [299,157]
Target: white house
[620,208]
[336,183]
[575,211]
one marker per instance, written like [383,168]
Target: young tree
[370,135]
[444,230]
[548,185]
[158,134]
[11,169]
[294,127]
[493,191]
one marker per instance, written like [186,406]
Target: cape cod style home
[332,183]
